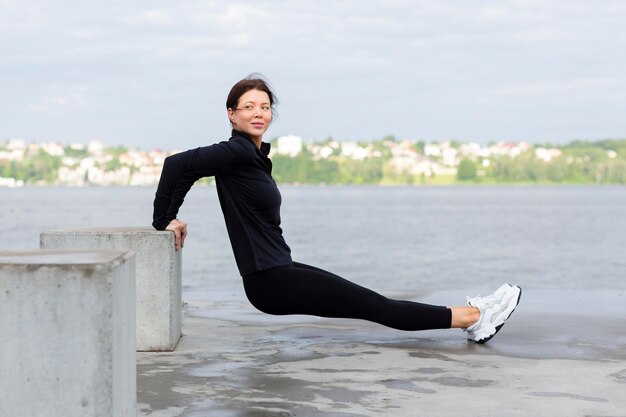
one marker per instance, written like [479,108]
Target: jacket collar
[265,147]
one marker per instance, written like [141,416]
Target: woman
[274,284]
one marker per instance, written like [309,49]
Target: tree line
[580,162]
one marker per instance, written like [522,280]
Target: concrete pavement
[563,353]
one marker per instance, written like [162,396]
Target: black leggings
[304,289]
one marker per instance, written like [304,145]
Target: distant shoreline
[447,185]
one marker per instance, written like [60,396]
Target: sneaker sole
[481,341]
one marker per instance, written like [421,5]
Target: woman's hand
[180,232]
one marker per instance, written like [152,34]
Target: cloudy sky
[156,73]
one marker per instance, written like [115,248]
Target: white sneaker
[495,309]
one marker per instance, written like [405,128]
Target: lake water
[387,238]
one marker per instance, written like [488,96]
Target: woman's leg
[462,317]
[303,289]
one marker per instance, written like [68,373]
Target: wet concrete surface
[563,353]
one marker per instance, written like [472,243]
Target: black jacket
[248,196]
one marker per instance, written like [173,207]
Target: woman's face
[253,114]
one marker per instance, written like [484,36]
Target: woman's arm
[180,172]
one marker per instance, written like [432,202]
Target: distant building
[348,148]
[448,157]
[53,149]
[355,151]
[16,144]
[471,150]
[147,175]
[98,176]
[95,147]
[290,145]
[432,149]
[547,155]
[72,176]
[77,146]
[325,151]
[509,148]
[10,182]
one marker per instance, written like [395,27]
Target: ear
[231,114]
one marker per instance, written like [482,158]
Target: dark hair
[253,81]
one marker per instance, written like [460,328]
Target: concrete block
[67,333]
[159,276]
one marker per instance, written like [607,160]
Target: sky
[155,74]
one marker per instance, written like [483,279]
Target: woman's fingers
[180,232]
[176,232]
[177,239]
[183,235]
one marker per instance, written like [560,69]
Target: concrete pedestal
[159,276]
[67,333]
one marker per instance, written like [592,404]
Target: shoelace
[485,302]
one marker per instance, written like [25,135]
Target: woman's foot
[495,309]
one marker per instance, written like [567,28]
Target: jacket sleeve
[181,171]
